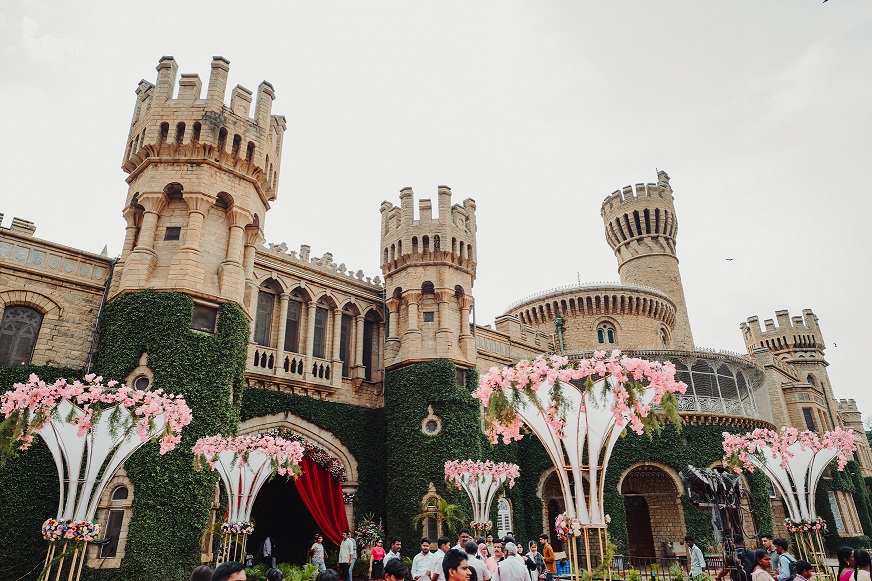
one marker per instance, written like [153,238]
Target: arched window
[345,344]
[810,380]
[263,319]
[664,338]
[292,327]
[320,332]
[504,517]
[117,508]
[19,329]
[605,334]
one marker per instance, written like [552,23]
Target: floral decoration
[369,531]
[455,470]
[805,525]
[631,375]
[349,497]
[315,453]
[284,455]
[29,405]
[480,526]
[71,530]
[237,528]
[567,527]
[740,449]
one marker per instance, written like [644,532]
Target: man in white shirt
[394,552]
[421,562]
[697,559]
[353,554]
[511,568]
[481,571]
[345,556]
[462,537]
[455,566]
[436,565]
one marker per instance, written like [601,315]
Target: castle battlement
[800,333]
[20,226]
[632,193]
[450,237]
[322,263]
[201,127]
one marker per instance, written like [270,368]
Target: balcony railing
[293,366]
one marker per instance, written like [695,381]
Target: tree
[447,515]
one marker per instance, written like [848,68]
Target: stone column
[280,344]
[358,371]
[378,356]
[231,277]
[444,334]
[253,237]
[336,378]
[467,341]
[392,341]
[310,336]
[411,347]
[187,269]
[133,217]
[142,259]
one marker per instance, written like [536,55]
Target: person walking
[317,553]
[548,557]
[536,557]
[345,557]
[697,559]
[394,553]
[766,539]
[786,561]
[436,564]
[376,562]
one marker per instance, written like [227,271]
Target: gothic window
[370,332]
[263,319]
[504,517]
[809,419]
[292,327]
[320,332]
[605,334]
[19,329]
[344,344]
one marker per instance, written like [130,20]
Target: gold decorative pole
[73,564]
[61,564]
[82,560]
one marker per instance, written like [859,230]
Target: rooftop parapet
[797,333]
[640,191]
[193,126]
[323,263]
[20,226]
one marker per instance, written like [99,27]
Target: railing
[714,405]
[586,285]
[266,361]
[648,568]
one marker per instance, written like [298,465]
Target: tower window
[809,418]
[204,318]
[263,318]
[429,316]
[605,334]
[173,233]
[810,380]
[664,338]
[19,329]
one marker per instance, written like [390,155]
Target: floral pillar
[481,481]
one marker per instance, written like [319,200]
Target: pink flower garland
[739,449]
[456,469]
[629,373]
[30,405]
[284,455]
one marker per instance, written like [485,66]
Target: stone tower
[429,269]
[641,227]
[797,342]
[202,175]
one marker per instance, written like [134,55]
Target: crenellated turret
[429,269]
[202,176]
[641,228]
[795,337]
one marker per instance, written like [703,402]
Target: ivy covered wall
[172,501]
[28,488]
[413,459]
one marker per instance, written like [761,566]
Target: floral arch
[323,438]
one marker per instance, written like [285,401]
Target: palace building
[373,372]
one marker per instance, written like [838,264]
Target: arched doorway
[553,505]
[655,516]
[291,511]
[279,512]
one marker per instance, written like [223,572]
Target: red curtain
[322,495]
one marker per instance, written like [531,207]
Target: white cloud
[46,47]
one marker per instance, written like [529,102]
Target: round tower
[641,227]
[202,175]
[429,269]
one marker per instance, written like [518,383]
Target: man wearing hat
[511,568]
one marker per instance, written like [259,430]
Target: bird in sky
[730,259]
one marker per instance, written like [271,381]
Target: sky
[760,112]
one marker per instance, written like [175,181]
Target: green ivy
[171,501]
[414,459]
[29,485]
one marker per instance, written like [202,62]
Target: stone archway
[652,497]
[322,437]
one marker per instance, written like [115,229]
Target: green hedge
[29,485]
[171,501]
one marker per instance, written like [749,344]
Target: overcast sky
[759,111]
